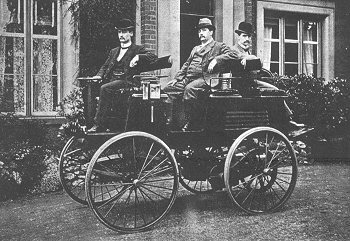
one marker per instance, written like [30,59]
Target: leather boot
[194,115]
[169,114]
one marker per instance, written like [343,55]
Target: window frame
[28,37]
[25,50]
[322,8]
[56,37]
[282,41]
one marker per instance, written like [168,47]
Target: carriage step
[187,131]
[105,133]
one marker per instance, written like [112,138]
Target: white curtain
[308,54]
[267,47]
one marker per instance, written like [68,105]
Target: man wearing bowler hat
[196,72]
[241,51]
[118,71]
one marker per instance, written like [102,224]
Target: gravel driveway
[319,209]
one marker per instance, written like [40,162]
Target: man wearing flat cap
[241,51]
[192,78]
[118,71]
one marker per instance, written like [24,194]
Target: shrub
[72,107]
[23,150]
[323,105]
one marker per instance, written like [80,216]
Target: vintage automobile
[130,177]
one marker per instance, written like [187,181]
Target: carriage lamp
[150,89]
[154,88]
[226,83]
[145,90]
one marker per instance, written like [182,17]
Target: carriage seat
[91,88]
[243,81]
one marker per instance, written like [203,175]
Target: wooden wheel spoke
[156,170]
[145,161]
[151,185]
[152,202]
[71,152]
[159,180]
[116,197]
[157,194]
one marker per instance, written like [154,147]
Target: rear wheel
[74,160]
[132,181]
[260,170]
[196,166]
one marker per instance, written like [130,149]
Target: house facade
[39,61]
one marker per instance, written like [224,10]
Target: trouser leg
[108,92]
[175,92]
[194,98]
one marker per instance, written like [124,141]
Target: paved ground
[319,209]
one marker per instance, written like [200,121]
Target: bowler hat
[205,23]
[124,24]
[245,27]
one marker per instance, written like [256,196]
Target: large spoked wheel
[260,170]
[74,160]
[132,181]
[196,166]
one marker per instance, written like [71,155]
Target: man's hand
[212,65]
[134,61]
[249,57]
[96,78]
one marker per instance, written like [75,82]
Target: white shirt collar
[127,45]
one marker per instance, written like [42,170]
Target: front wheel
[132,181]
[260,170]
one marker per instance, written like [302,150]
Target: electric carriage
[130,177]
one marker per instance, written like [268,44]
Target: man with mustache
[241,51]
[196,72]
[118,71]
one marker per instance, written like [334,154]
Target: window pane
[291,52]
[274,68]
[271,29]
[45,17]
[11,74]
[11,16]
[310,53]
[45,89]
[202,7]
[310,31]
[291,69]
[275,52]
[310,69]
[291,29]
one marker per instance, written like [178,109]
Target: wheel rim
[132,181]
[260,170]
[73,164]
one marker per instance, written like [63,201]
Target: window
[292,44]
[29,60]
[190,13]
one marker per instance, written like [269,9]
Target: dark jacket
[214,49]
[145,57]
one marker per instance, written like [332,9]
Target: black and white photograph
[174,120]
